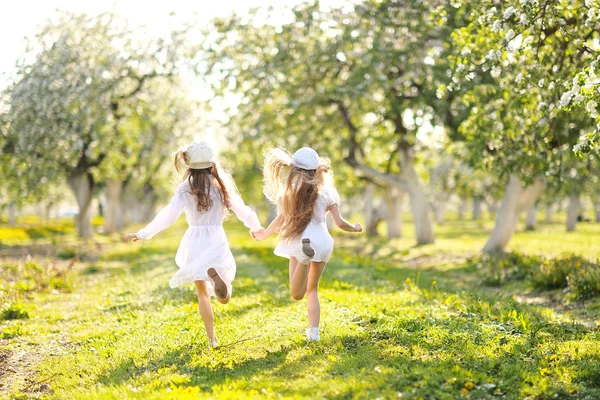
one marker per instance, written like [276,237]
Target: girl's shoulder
[329,195]
[183,187]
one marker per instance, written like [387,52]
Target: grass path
[391,329]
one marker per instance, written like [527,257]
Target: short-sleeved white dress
[320,239]
[204,244]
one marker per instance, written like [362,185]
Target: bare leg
[293,265]
[298,278]
[205,309]
[314,308]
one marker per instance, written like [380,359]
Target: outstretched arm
[165,218]
[341,222]
[272,228]
[244,213]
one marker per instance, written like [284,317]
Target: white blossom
[495,71]
[565,99]
[523,19]
[541,82]
[519,78]
[510,34]
[592,108]
[510,11]
[577,99]
[551,86]
[497,25]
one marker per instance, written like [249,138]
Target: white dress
[204,244]
[320,239]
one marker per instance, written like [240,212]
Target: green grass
[398,321]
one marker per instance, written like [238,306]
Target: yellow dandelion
[464,391]
[469,385]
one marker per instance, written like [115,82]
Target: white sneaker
[212,343]
[312,334]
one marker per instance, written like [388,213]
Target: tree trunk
[439,210]
[462,208]
[548,217]
[12,214]
[597,208]
[82,185]
[531,218]
[113,217]
[516,199]
[370,214]
[149,202]
[477,200]
[572,211]
[394,197]
[419,205]
[492,207]
[48,212]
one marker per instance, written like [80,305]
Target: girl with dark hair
[206,194]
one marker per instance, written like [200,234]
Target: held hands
[259,235]
[132,237]
[357,227]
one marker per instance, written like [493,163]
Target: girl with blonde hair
[301,185]
[206,194]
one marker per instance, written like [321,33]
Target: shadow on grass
[486,344]
[203,376]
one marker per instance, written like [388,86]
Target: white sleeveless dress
[204,244]
[320,239]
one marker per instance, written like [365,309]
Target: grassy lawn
[97,320]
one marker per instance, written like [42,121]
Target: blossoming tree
[539,107]
[71,89]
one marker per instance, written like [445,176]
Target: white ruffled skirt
[203,247]
[320,240]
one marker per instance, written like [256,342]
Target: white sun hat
[200,155]
[306,158]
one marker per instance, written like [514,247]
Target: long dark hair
[201,181]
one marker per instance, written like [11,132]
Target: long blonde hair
[201,180]
[294,190]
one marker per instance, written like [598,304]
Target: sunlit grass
[397,321]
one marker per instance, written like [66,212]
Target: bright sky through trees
[20,19]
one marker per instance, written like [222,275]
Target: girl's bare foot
[307,248]
[220,286]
